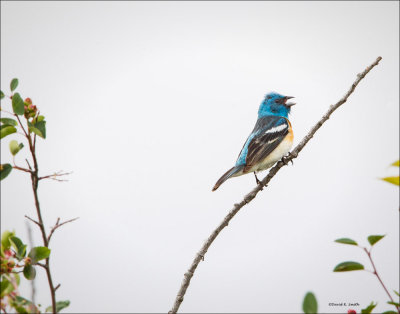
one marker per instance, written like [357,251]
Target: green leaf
[5,239]
[38,253]
[19,247]
[372,239]
[38,128]
[15,147]
[396,163]
[396,293]
[5,287]
[5,170]
[18,104]
[369,308]
[346,241]
[16,243]
[393,180]
[7,130]
[8,121]
[348,266]
[1,94]
[14,84]
[310,304]
[59,306]
[23,305]
[35,130]
[21,252]
[393,303]
[20,309]
[29,272]
[390,312]
[41,126]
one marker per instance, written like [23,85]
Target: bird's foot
[284,159]
[258,181]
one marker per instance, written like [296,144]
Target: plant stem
[379,278]
[35,185]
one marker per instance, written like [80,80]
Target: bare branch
[58,286]
[55,176]
[33,221]
[57,225]
[22,126]
[375,272]
[41,265]
[250,196]
[22,169]
[29,165]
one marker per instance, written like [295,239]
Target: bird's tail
[227,175]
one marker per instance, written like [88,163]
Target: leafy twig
[250,196]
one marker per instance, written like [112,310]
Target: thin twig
[55,176]
[42,265]
[375,272]
[29,165]
[58,286]
[33,220]
[250,196]
[22,169]
[20,123]
[34,142]
[57,225]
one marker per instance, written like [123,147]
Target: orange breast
[290,136]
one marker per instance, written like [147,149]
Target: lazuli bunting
[270,140]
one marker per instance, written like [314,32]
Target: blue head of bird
[275,104]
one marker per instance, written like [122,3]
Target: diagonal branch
[33,221]
[250,196]
[375,272]
[57,225]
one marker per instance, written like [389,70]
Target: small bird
[270,140]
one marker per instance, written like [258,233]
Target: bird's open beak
[289,104]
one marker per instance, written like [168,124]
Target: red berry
[351,311]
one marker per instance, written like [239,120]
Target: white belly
[282,149]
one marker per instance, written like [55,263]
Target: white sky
[149,103]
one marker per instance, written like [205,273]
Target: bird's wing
[269,133]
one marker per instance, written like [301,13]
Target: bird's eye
[280,100]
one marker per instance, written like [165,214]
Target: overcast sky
[149,103]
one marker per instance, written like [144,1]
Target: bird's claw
[258,181]
[284,159]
